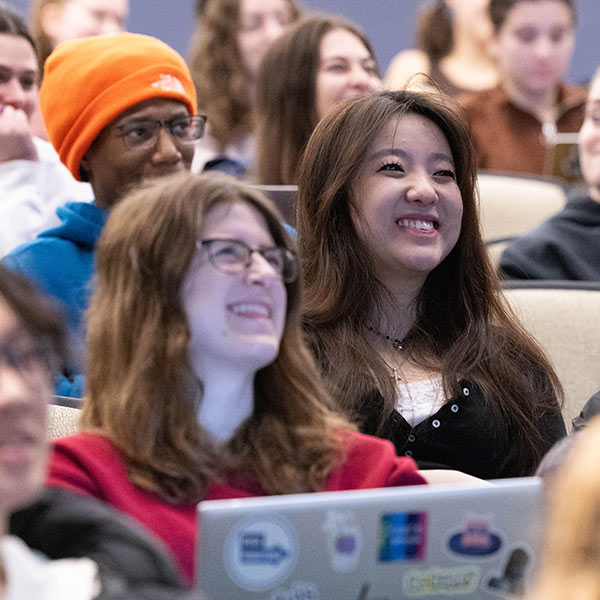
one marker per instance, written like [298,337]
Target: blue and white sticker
[476,538]
[260,552]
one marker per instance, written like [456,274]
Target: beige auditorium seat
[565,319]
[511,205]
[63,417]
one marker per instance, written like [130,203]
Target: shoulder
[406,64]
[86,463]
[371,462]
[87,446]
[480,103]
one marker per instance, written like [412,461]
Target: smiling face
[346,70]
[534,46]
[406,204]
[589,141]
[25,388]
[113,168]
[18,74]
[261,23]
[236,320]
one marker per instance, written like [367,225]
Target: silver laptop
[443,541]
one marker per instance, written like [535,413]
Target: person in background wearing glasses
[119,109]
[200,385]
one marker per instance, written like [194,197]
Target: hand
[16,141]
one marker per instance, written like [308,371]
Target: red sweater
[91,465]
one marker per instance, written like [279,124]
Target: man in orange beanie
[118,109]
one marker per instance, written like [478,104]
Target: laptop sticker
[344,540]
[441,581]
[402,536]
[512,580]
[365,595]
[476,539]
[298,591]
[260,552]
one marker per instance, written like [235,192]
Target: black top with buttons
[466,434]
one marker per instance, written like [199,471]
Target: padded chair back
[564,317]
[511,206]
[63,417]
[284,198]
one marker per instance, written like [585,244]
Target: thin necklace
[397,345]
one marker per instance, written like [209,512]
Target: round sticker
[260,552]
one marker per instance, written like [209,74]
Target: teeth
[416,224]
[250,309]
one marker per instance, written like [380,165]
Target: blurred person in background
[33,181]
[230,40]
[319,62]
[567,246]
[453,39]
[532,43]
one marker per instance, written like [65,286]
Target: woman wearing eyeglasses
[200,385]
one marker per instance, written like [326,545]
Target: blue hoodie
[61,262]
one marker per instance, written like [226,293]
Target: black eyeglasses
[233,256]
[143,134]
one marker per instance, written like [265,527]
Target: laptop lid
[562,157]
[442,541]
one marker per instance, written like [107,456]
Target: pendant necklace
[397,345]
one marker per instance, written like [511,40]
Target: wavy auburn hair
[142,392]
[286,92]
[462,327]
[222,81]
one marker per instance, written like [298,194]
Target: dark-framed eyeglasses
[143,134]
[233,256]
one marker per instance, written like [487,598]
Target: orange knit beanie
[90,81]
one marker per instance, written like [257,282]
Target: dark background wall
[388,23]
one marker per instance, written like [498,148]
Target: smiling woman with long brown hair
[402,308]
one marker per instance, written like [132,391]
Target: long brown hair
[435,35]
[286,96]
[43,42]
[222,81]
[142,392]
[461,322]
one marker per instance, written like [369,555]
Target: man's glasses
[233,256]
[143,134]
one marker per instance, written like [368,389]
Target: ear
[84,168]
[50,19]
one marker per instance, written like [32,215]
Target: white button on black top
[466,391]
[435,423]
[408,453]
[411,438]
[454,408]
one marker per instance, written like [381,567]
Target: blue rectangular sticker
[402,536]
